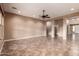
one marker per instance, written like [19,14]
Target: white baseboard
[24,37]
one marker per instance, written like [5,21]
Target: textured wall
[17,27]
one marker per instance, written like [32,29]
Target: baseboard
[24,38]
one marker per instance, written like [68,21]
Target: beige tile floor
[41,46]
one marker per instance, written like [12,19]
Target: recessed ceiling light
[34,16]
[72,9]
[19,11]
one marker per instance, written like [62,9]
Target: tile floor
[41,46]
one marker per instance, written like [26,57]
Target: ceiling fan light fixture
[45,15]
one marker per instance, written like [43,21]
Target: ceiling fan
[45,15]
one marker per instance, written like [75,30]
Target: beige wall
[17,27]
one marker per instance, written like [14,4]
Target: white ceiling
[35,9]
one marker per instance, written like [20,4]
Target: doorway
[73,31]
[48,28]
